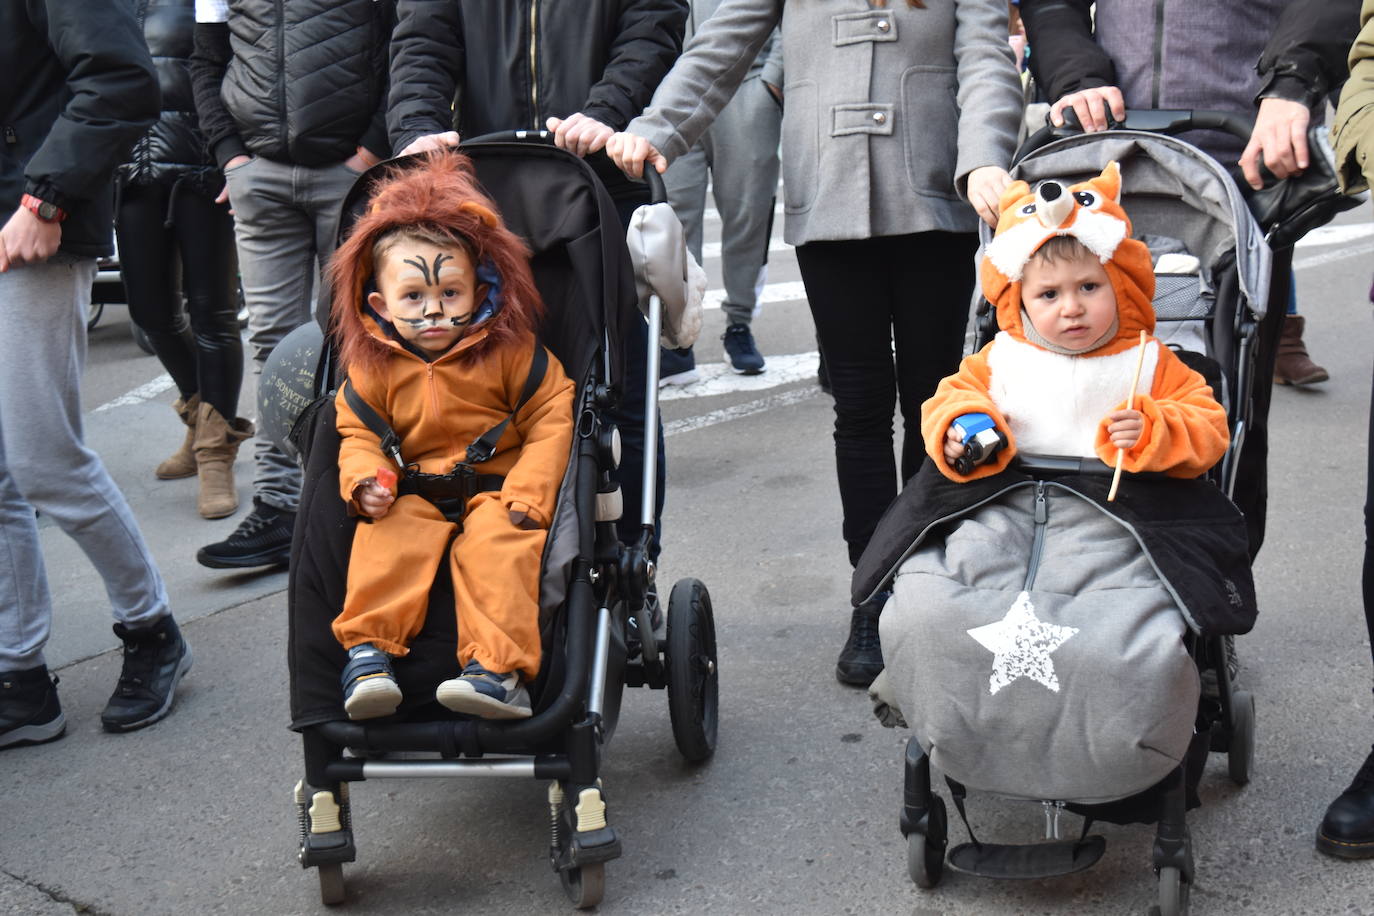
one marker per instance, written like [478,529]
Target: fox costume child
[1034,637]
[443,350]
[1051,400]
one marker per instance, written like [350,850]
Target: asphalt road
[797,812]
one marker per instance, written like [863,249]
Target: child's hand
[1124,428]
[522,520]
[954,445]
[373,499]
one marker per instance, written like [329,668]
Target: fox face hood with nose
[1089,212]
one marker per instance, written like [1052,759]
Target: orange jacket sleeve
[1185,430]
[966,391]
[360,449]
[545,425]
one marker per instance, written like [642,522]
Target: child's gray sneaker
[488,694]
[369,684]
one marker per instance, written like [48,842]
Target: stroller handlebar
[658,192]
[1167,121]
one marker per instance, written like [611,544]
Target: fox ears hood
[439,193]
[1091,213]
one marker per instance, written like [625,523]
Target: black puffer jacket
[493,65]
[173,149]
[78,88]
[301,82]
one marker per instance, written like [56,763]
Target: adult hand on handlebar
[431,141]
[630,151]
[1090,105]
[579,134]
[985,187]
[1279,140]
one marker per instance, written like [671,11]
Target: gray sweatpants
[740,150]
[45,465]
[284,221]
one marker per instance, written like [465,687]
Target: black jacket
[173,149]
[78,89]
[301,82]
[1303,60]
[482,66]
[1193,534]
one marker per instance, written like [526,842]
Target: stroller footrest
[327,848]
[1036,860]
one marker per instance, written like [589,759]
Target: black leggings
[167,239]
[864,295]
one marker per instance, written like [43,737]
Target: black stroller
[600,624]
[1174,194]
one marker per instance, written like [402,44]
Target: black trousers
[170,241]
[890,315]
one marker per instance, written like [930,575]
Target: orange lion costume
[437,408]
[1054,403]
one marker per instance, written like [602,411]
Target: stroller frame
[609,640]
[1225,722]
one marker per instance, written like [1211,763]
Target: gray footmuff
[1036,653]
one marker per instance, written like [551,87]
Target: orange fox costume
[1053,403]
[437,408]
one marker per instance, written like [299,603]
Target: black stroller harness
[451,491]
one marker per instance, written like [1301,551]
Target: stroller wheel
[331,883]
[584,885]
[693,677]
[925,852]
[1240,754]
[1173,893]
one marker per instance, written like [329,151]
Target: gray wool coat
[886,110]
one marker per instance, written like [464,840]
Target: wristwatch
[47,212]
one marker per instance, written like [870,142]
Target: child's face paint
[428,292]
[1070,302]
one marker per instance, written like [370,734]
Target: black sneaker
[1347,830]
[677,367]
[155,658]
[743,356]
[261,539]
[29,711]
[861,659]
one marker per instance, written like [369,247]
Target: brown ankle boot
[1294,366]
[182,462]
[217,443]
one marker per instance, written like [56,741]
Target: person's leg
[847,289]
[1252,485]
[1347,828]
[745,181]
[152,283]
[932,285]
[275,237]
[42,355]
[209,266]
[148,263]
[686,183]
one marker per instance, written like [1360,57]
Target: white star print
[1021,645]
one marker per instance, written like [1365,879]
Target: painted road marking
[1336,235]
[718,378]
[739,411]
[145,392]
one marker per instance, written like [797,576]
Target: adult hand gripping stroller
[597,597]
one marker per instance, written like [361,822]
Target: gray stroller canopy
[1168,188]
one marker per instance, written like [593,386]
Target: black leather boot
[861,659]
[1347,831]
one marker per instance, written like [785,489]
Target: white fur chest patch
[1054,402]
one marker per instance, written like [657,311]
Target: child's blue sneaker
[369,684]
[488,694]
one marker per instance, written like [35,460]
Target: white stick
[1130,405]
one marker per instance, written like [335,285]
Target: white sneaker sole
[460,697]
[372,698]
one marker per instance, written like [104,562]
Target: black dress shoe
[861,659]
[1347,831]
